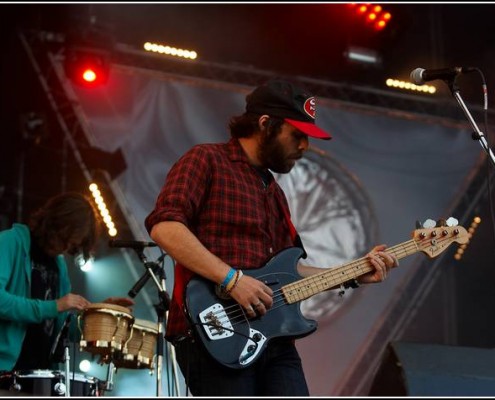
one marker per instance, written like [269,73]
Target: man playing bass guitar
[220,215]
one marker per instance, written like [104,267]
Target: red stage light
[88,69]
[379,25]
[89,75]
[374,15]
[371,17]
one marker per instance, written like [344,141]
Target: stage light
[399,84]
[471,230]
[362,55]
[375,16]
[170,51]
[87,67]
[84,265]
[103,209]
[85,366]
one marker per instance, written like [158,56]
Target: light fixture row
[102,207]
[462,248]
[398,84]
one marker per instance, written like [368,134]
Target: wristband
[238,276]
[228,278]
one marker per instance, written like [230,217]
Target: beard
[273,156]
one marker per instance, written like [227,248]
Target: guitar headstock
[433,241]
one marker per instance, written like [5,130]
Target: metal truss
[436,110]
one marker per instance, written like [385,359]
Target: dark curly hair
[246,124]
[64,218]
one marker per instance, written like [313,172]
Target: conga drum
[140,348]
[105,329]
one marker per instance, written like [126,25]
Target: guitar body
[229,335]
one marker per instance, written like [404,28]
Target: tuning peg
[441,222]
[418,224]
[452,222]
[429,223]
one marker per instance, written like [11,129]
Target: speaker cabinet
[414,369]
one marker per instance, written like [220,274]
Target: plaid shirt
[221,198]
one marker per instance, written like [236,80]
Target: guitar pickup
[216,323]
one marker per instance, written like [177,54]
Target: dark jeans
[277,372]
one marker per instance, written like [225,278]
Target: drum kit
[108,331]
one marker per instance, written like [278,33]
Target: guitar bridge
[216,323]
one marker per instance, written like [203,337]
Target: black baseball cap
[282,99]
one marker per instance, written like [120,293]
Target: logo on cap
[310,107]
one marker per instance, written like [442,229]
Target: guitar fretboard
[307,287]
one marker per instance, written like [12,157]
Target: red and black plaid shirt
[221,198]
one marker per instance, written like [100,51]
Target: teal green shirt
[17,308]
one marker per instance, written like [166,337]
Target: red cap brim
[309,129]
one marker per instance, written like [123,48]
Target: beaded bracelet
[238,276]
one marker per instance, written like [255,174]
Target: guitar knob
[257,337]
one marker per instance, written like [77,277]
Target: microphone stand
[161,308]
[477,134]
[162,312]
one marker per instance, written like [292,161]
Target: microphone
[420,76]
[144,278]
[132,244]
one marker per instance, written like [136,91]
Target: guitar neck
[307,287]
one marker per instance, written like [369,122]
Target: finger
[266,299]
[390,261]
[260,308]
[250,310]
[378,248]
[380,268]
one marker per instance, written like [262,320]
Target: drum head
[108,306]
[145,325]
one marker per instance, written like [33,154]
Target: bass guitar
[236,340]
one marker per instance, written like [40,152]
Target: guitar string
[235,311]
[279,298]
